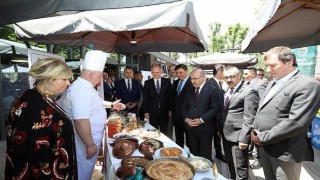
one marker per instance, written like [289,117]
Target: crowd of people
[237,109]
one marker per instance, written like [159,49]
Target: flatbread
[169,170]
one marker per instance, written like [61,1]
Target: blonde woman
[40,139]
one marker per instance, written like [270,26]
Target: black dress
[40,140]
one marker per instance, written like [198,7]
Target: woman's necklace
[49,99]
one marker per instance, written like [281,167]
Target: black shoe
[221,158]
[255,165]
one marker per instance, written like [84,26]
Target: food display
[149,147]
[170,152]
[169,169]
[200,164]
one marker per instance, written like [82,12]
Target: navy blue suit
[108,92]
[158,105]
[133,96]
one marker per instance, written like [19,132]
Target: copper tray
[123,149]
[162,160]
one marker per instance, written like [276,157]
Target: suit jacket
[206,107]
[259,85]
[107,92]
[214,83]
[284,119]
[240,113]
[151,98]
[123,93]
[178,100]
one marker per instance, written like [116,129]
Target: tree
[235,35]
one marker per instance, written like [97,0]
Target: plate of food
[170,152]
[200,164]
[149,147]
[122,135]
[149,134]
[170,168]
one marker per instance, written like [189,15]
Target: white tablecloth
[112,163]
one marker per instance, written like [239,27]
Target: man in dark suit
[285,112]
[200,108]
[240,106]
[157,99]
[180,87]
[138,77]
[216,82]
[173,77]
[107,91]
[128,90]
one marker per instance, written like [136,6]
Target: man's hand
[146,117]
[91,150]
[254,136]
[118,106]
[243,146]
[193,122]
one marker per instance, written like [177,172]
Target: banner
[306,59]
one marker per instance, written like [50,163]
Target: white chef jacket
[82,101]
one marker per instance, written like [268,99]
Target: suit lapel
[292,79]
[236,93]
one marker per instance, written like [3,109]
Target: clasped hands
[131,105]
[254,137]
[193,122]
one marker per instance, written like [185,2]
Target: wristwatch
[111,105]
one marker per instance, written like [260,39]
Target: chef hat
[95,60]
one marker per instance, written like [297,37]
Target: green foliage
[235,35]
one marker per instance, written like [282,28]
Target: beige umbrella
[234,59]
[293,23]
[170,27]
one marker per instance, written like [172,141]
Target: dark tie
[220,85]
[227,100]
[129,85]
[180,86]
[196,94]
[158,87]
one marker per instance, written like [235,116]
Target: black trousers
[200,143]
[159,120]
[238,160]
[180,131]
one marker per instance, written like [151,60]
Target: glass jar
[132,121]
[114,126]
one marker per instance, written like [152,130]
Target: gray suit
[283,121]
[238,119]
[259,85]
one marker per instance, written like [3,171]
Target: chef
[82,102]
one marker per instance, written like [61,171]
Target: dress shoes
[221,158]
[255,165]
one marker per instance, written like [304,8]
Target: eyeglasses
[194,79]
[260,74]
[230,77]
